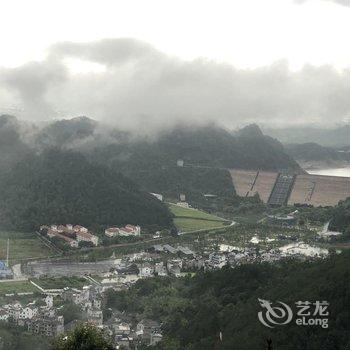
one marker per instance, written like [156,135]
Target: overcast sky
[161,61]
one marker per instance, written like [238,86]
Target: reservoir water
[331,171]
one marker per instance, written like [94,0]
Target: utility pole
[7,252]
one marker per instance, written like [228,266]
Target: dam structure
[277,189]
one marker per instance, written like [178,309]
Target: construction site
[277,189]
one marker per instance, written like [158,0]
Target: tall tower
[8,252]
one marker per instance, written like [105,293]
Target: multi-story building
[128,230]
[46,325]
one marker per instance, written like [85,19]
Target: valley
[105,220]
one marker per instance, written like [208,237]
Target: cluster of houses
[72,235]
[89,299]
[38,319]
[42,318]
[128,334]
[126,231]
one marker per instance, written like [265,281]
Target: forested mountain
[195,310]
[151,161]
[314,152]
[12,147]
[66,133]
[205,146]
[63,187]
[207,152]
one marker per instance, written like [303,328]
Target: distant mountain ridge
[314,152]
[151,162]
[331,137]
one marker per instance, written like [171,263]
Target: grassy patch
[187,220]
[185,225]
[61,282]
[17,287]
[23,245]
[192,213]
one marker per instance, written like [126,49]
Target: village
[58,284]
[40,312]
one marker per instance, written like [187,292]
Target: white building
[78,228]
[128,230]
[217,260]
[28,313]
[83,236]
[146,271]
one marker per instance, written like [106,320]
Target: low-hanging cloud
[145,90]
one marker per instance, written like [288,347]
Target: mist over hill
[151,162]
[12,147]
[209,145]
[328,137]
[313,154]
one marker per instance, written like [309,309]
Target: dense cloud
[144,89]
[340,2]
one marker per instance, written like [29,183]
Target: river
[331,171]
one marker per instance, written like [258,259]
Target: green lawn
[61,282]
[192,213]
[191,219]
[22,246]
[17,287]
[186,225]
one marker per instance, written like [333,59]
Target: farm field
[17,287]
[23,245]
[61,282]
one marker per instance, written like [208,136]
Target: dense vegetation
[12,147]
[86,337]
[63,187]
[194,310]
[65,133]
[151,161]
[341,218]
[207,152]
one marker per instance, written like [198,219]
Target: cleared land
[187,220]
[23,245]
[192,224]
[192,213]
[17,287]
[61,282]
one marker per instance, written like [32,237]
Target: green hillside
[194,310]
[63,187]
[341,219]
